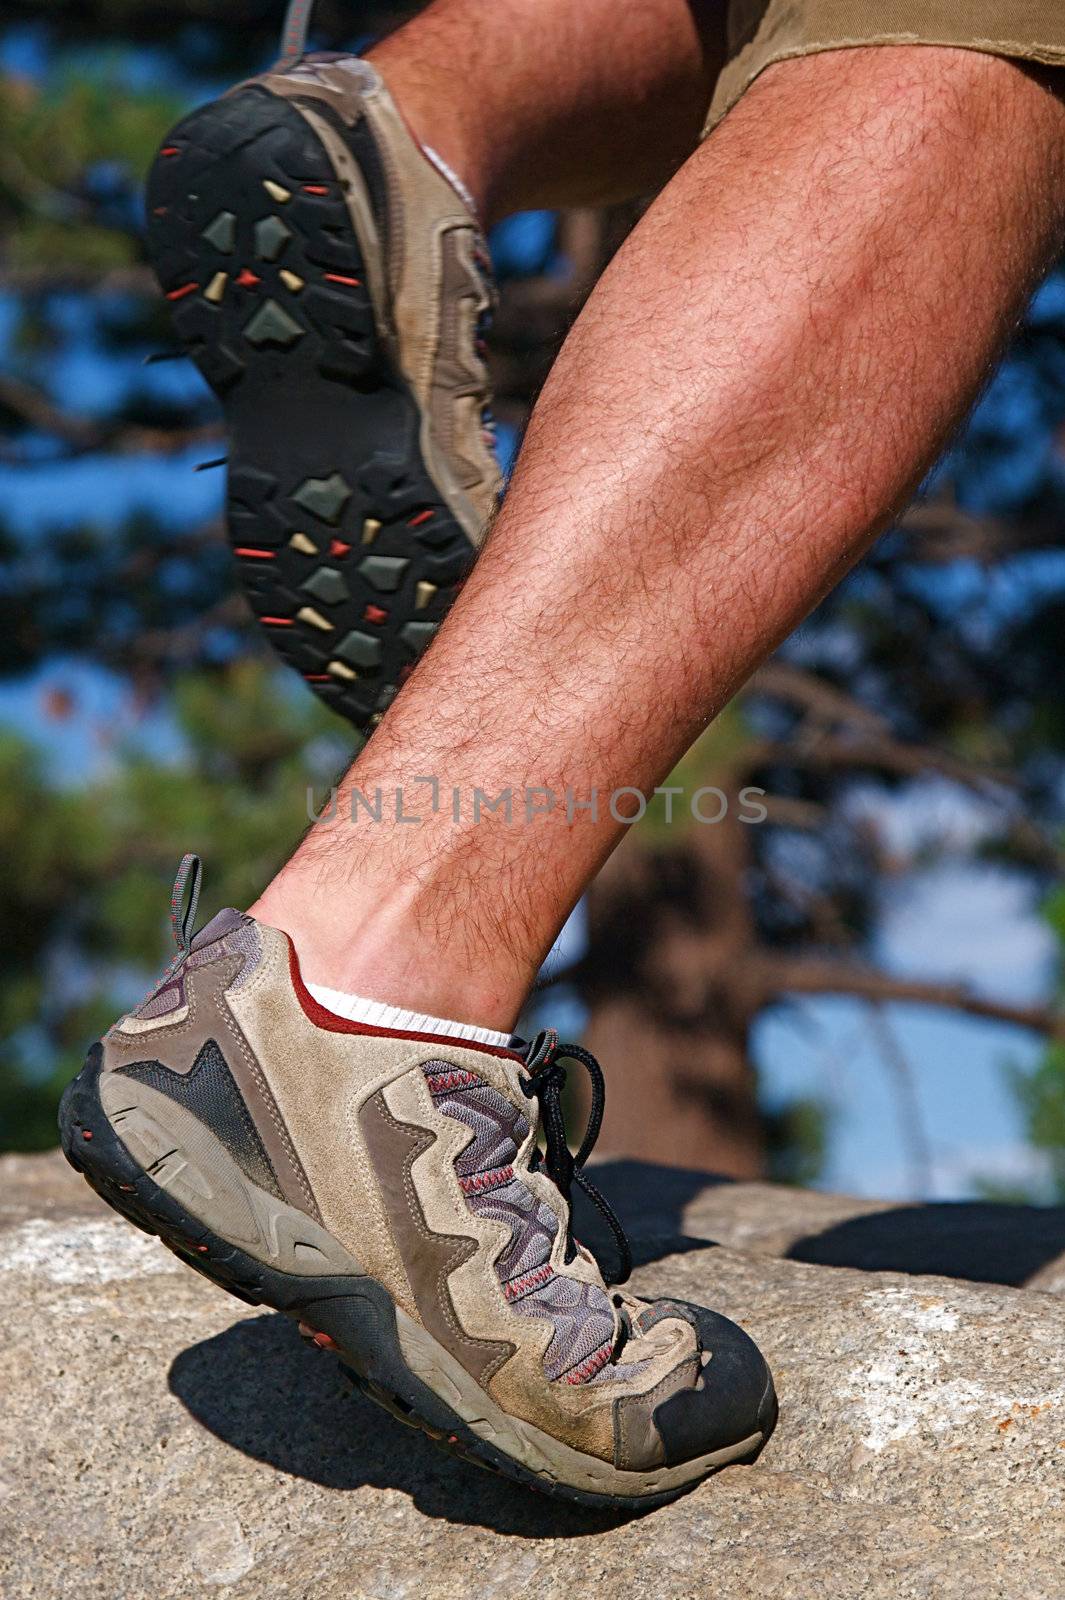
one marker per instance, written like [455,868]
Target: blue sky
[954,922]
[945,925]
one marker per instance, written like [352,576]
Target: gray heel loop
[182,914]
[294,31]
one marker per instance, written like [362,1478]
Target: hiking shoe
[333,287]
[385,1189]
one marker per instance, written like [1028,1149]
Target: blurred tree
[83,919]
[1041,1092]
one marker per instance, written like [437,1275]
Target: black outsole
[354,1316]
[345,545]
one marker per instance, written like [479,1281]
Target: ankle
[440,123]
[379,952]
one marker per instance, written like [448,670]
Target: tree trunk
[671,984]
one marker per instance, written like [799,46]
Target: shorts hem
[739,74]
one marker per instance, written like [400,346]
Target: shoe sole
[345,543]
[348,1313]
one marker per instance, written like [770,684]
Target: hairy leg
[556,102]
[756,385]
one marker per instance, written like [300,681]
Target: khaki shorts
[763,31]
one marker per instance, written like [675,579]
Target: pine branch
[83,435]
[137,280]
[787,975]
[822,700]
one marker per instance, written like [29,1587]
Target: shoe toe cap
[733,1398]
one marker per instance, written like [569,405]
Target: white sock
[358,1009]
[451,175]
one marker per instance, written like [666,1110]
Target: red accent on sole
[423,516]
[246,278]
[179,294]
[86,1133]
[337,547]
[375,614]
[324,1342]
[337,277]
[317,677]
[255,555]
[159,211]
[315,188]
[276,622]
[170,150]
[333,1024]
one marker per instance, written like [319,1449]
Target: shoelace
[546,1080]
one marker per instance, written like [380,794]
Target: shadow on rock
[975,1240]
[650,1202]
[984,1243]
[260,1389]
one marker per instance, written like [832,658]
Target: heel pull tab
[182,920]
[182,914]
[294,31]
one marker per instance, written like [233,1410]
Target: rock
[666,1208]
[43,1186]
[159,1440]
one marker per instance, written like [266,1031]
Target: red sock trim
[329,1020]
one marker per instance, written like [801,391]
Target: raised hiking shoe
[332,285]
[385,1189]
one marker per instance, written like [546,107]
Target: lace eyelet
[545,1080]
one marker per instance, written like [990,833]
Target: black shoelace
[546,1080]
